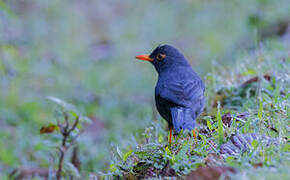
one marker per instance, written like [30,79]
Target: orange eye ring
[160,56]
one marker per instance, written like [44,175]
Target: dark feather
[179,92]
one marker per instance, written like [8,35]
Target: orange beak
[144,57]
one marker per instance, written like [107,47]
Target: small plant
[68,126]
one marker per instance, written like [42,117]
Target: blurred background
[83,52]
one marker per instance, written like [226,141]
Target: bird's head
[164,57]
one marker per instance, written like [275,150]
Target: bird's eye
[161,56]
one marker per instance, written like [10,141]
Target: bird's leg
[170,136]
[194,134]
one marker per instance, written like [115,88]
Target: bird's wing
[182,93]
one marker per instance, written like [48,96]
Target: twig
[65,130]
[75,158]
[61,158]
[74,125]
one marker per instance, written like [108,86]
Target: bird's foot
[194,134]
[170,136]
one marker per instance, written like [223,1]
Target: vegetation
[260,105]
[82,53]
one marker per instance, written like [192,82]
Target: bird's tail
[182,118]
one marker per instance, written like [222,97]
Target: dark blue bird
[179,92]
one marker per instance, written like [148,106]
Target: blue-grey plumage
[182,118]
[179,92]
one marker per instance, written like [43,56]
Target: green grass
[83,53]
[267,103]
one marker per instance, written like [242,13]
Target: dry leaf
[256,165]
[48,129]
[227,119]
[256,79]
[210,173]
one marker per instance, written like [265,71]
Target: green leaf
[203,139]
[234,122]
[230,160]
[66,106]
[276,91]
[209,124]
[249,72]
[173,159]
[167,150]
[74,114]
[119,152]
[85,119]
[220,126]
[260,112]
[160,138]
[182,153]
[255,144]
[113,168]
[126,155]
[56,100]
[286,148]
[141,154]
[246,126]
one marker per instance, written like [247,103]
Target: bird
[179,91]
